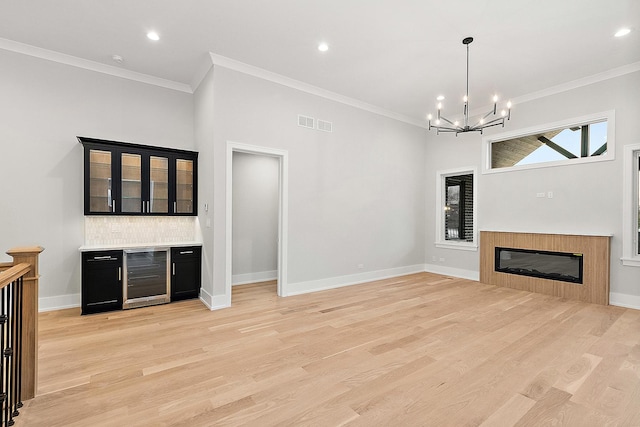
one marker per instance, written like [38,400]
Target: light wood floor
[419,350]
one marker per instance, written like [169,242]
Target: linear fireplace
[563,266]
[575,266]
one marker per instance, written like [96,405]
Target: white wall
[587,197]
[356,196]
[255,217]
[43,107]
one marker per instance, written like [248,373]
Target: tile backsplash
[116,230]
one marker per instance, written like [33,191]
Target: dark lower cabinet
[185,272]
[101,281]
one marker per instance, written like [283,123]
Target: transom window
[580,140]
[573,142]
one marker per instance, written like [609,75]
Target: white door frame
[283,189]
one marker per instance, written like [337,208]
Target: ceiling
[397,55]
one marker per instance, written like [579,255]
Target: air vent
[325,126]
[306,122]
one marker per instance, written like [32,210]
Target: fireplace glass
[566,267]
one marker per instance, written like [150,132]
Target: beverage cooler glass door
[146,280]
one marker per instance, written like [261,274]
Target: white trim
[624,300]
[352,279]
[575,84]
[460,246]
[86,64]
[283,211]
[440,182]
[630,256]
[630,262]
[260,276]
[59,302]
[214,302]
[261,73]
[454,272]
[206,298]
[609,116]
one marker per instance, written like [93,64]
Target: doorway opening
[256,217]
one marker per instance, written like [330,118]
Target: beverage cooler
[146,277]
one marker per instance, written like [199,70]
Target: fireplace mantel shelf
[549,233]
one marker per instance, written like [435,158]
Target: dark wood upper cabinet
[131,179]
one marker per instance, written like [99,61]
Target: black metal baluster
[3,324]
[7,358]
[18,347]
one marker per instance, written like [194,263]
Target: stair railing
[18,331]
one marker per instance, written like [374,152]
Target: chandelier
[442,124]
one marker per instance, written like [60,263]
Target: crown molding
[575,84]
[98,67]
[252,70]
[245,68]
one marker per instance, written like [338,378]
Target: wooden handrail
[15,272]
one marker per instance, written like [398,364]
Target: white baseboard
[455,272]
[214,302]
[261,276]
[624,300]
[352,279]
[59,302]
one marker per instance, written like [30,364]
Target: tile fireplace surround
[595,251]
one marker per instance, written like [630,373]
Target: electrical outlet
[540,195]
[550,194]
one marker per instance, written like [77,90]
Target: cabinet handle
[174,268]
[185,252]
[148,209]
[119,273]
[175,207]
[142,206]
[98,258]
[114,205]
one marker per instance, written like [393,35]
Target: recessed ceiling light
[152,35]
[440,97]
[323,47]
[622,32]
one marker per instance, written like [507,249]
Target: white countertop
[123,246]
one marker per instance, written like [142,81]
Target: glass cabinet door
[184,186]
[131,181]
[158,185]
[100,180]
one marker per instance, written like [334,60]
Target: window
[579,140]
[456,224]
[631,206]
